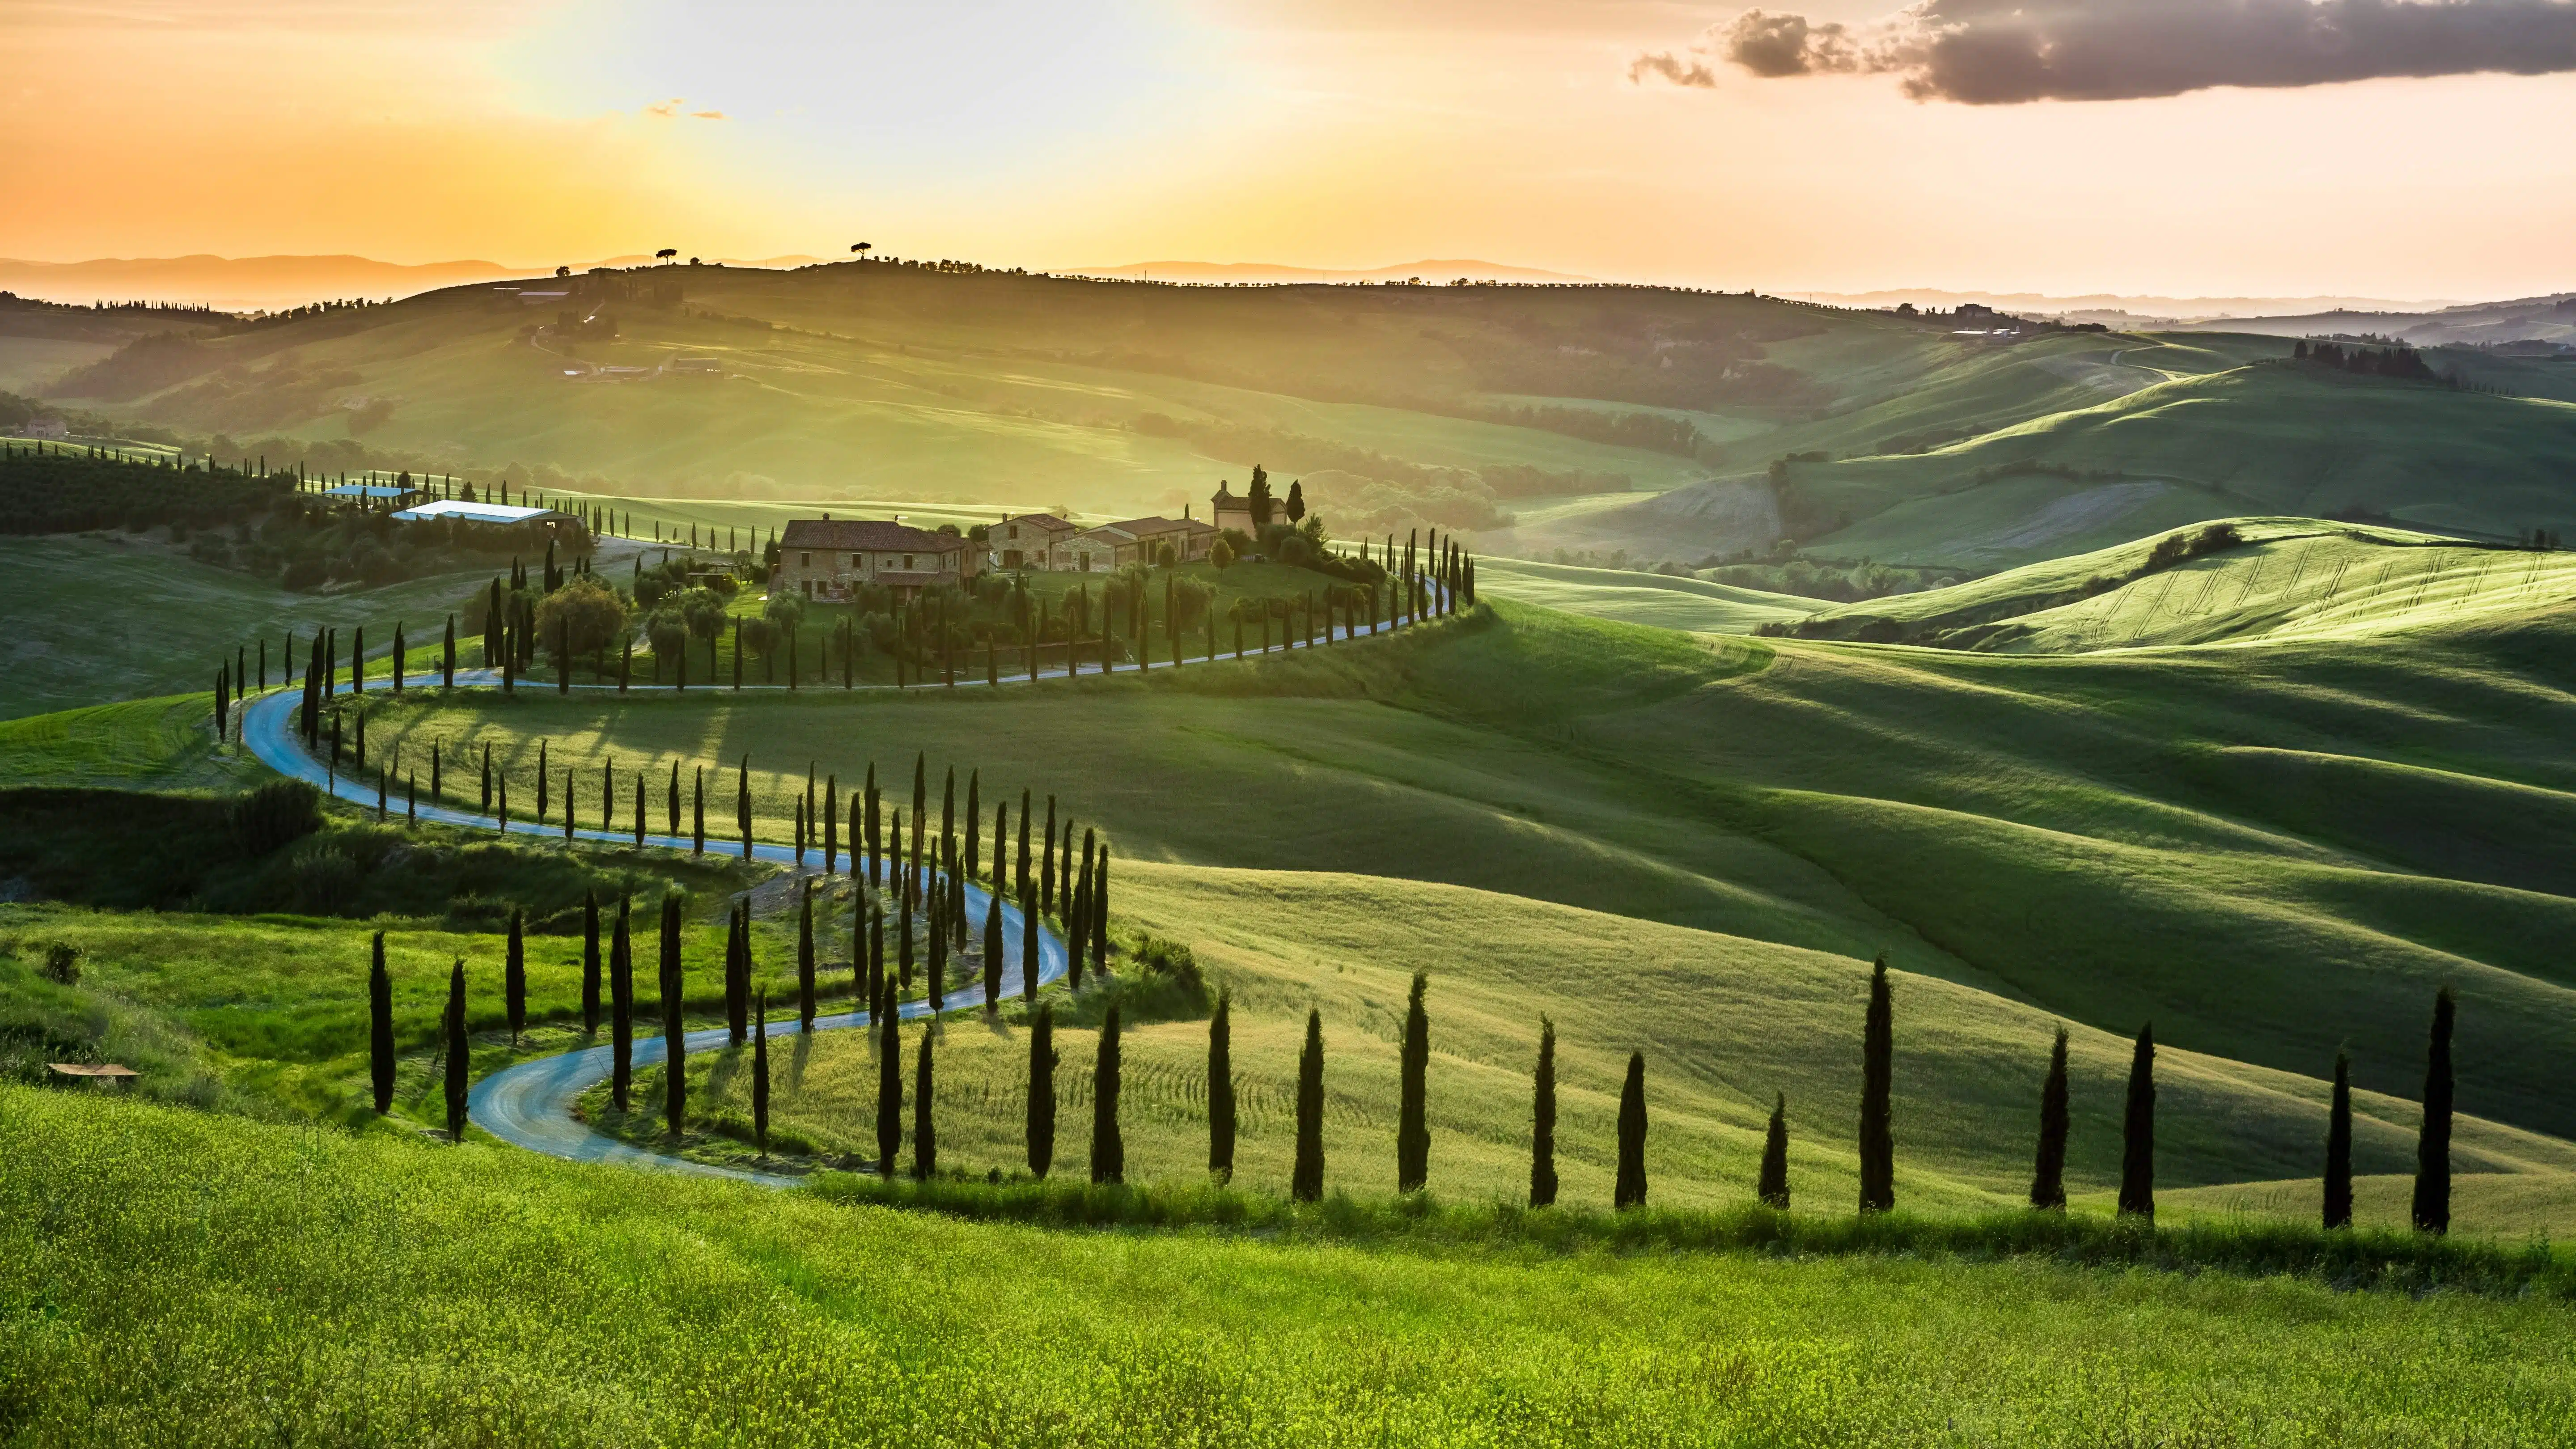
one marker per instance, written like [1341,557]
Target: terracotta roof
[851,535]
[1046,521]
[1146,527]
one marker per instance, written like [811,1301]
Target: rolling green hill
[2262,439]
[2274,579]
[1692,605]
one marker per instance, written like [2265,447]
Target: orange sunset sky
[1616,138]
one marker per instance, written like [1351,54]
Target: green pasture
[483,1295]
[2105,836]
[1660,600]
[132,620]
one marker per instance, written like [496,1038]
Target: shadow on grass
[2366,1259]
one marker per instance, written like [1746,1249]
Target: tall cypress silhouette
[1877,1077]
[1220,1075]
[514,974]
[1108,1149]
[459,1052]
[1306,1182]
[380,1029]
[1042,1064]
[2138,1130]
[2338,1193]
[925,1141]
[2433,1146]
[737,973]
[2048,1168]
[1772,1186]
[760,1074]
[889,1088]
[1030,951]
[1046,863]
[1543,1119]
[621,1010]
[590,962]
[1630,1188]
[805,960]
[675,1046]
[993,949]
[1412,1130]
[1096,908]
[1020,877]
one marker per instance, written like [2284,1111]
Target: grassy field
[2106,836]
[2289,578]
[480,1296]
[2267,439]
[137,620]
[1664,602]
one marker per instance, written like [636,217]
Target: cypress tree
[2338,1194]
[459,1052]
[398,656]
[1543,1119]
[1220,1073]
[737,977]
[447,656]
[925,1143]
[831,820]
[514,975]
[1046,871]
[760,1075]
[1877,1077]
[1030,959]
[698,812]
[590,963]
[875,841]
[2048,1172]
[1412,1131]
[380,1029]
[1096,910]
[639,809]
[1108,1149]
[675,798]
[742,803]
[621,1010]
[993,950]
[889,1090]
[1306,1182]
[805,960]
[2138,1131]
[675,1046]
[1630,1189]
[1022,877]
[1001,848]
[1773,1185]
[1042,1064]
[876,952]
[2433,1147]
[974,819]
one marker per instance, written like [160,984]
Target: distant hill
[2193,309]
[272,283]
[2549,319]
[1427,271]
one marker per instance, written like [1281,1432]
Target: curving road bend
[530,1104]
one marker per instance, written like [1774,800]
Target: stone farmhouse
[827,558]
[1049,544]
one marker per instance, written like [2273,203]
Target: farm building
[1024,540]
[1039,541]
[374,496]
[490,521]
[826,558]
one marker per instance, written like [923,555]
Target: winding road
[530,1104]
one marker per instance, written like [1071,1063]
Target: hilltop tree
[2048,1171]
[2338,1193]
[925,1142]
[1220,1075]
[1877,1074]
[1258,497]
[1042,1064]
[1543,1119]
[889,1088]
[2433,1147]
[1772,1186]
[380,1029]
[621,1011]
[1108,1149]
[459,1052]
[1306,1182]
[2138,1131]
[590,963]
[1412,1132]
[760,1076]
[514,975]
[1296,501]
[1630,1189]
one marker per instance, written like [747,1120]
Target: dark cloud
[2001,52]
[1673,68]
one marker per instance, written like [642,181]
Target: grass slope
[1692,605]
[179,1267]
[132,620]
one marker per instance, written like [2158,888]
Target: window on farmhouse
[907,560]
[804,560]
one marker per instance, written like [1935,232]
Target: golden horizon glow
[1300,132]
